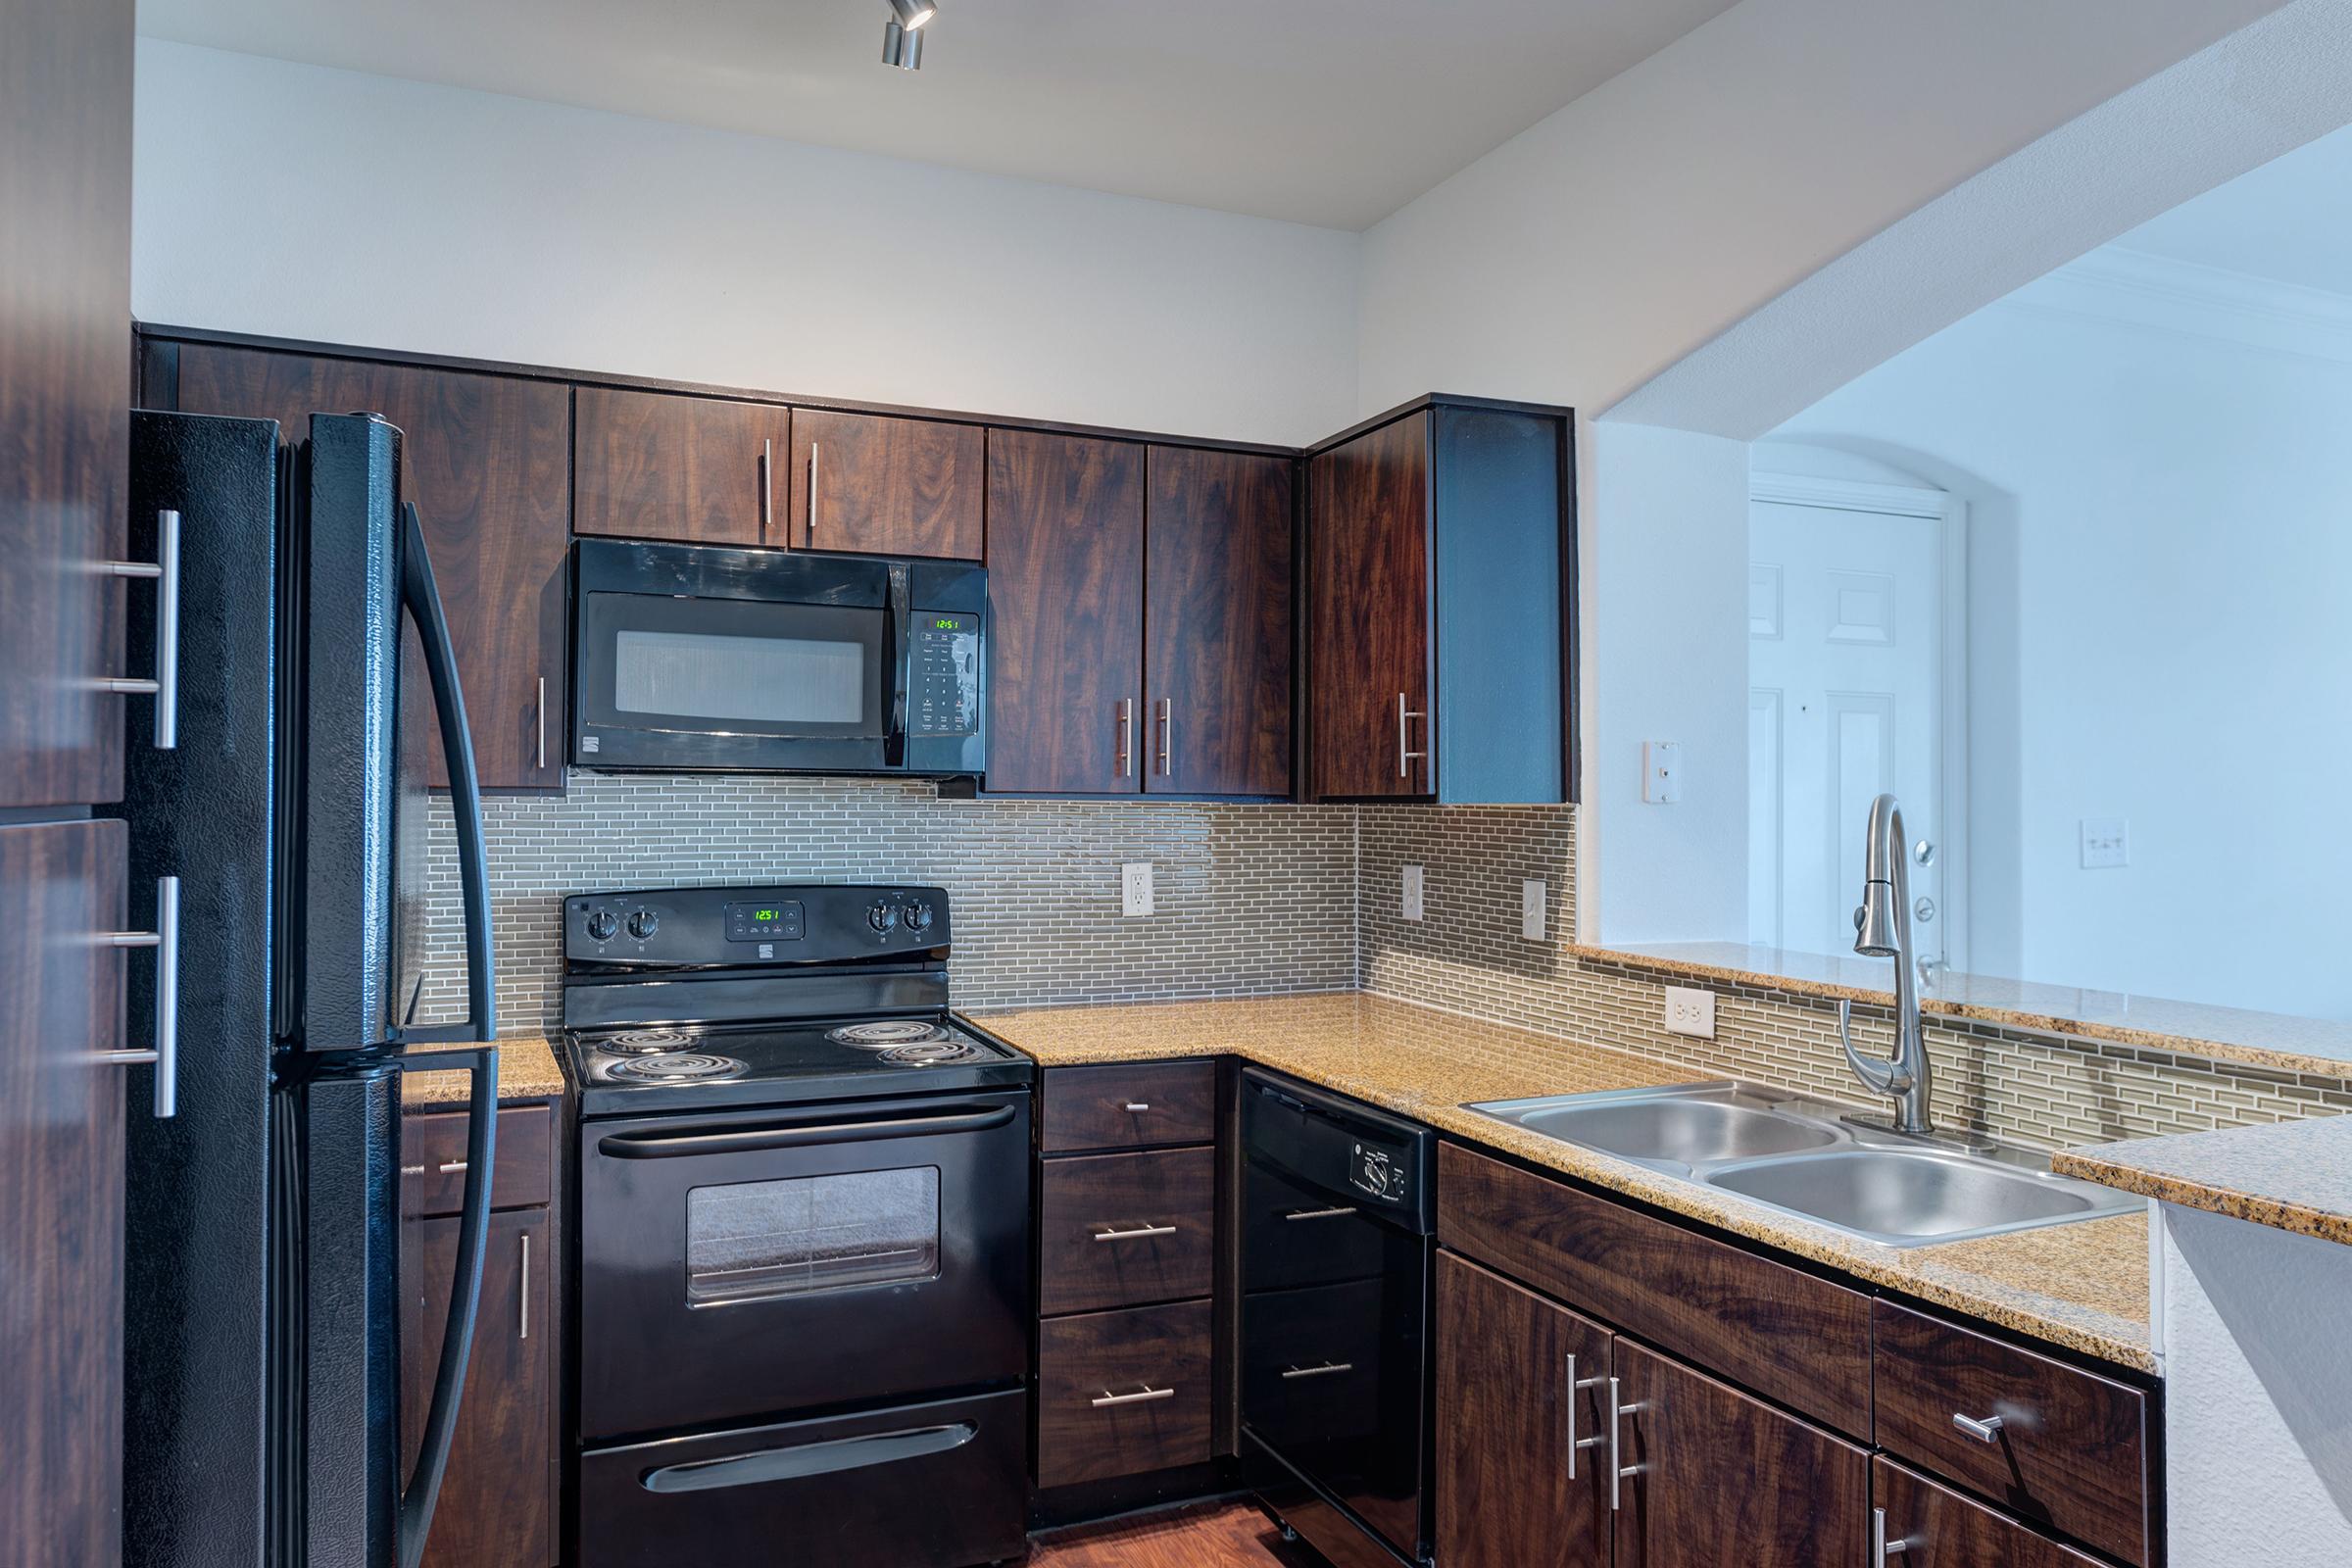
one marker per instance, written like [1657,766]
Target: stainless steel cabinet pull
[1319,1214]
[1577,1386]
[811,539]
[412,1170]
[1141,1396]
[1325,1370]
[767,484]
[165,1053]
[1123,765]
[1139,1105]
[522,1309]
[1618,1469]
[543,722]
[1167,737]
[1880,1548]
[1404,757]
[1135,1232]
[1988,1429]
[450,1167]
[164,569]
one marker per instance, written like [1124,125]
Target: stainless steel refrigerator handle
[164,569]
[417,1497]
[165,1053]
[420,596]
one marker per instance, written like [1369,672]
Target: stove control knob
[602,925]
[918,918]
[644,923]
[882,917]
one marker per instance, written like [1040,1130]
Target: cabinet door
[1371,688]
[1940,1527]
[497,1505]
[1217,624]
[60,1190]
[484,457]
[886,486]
[1066,593]
[668,466]
[1517,1488]
[1718,1477]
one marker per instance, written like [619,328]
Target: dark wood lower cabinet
[1514,1489]
[1939,1528]
[1719,1477]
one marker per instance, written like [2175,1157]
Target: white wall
[303,201]
[2172,510]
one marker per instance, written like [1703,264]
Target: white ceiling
[2289,220]
[1329,112]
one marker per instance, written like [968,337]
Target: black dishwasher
[1337,1227]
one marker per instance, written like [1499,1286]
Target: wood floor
[1209,1535]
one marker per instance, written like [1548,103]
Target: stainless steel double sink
[1813,1160]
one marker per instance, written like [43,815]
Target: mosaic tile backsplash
[1261,900]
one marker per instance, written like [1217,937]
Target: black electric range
[806,1181]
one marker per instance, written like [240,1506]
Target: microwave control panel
[942,695]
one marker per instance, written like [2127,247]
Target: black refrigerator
[303,664]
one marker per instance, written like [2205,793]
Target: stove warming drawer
[742,1266]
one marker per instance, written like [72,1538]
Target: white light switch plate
[1691,1010]
[1531,909]
[1412,893]
[1135,888]
[2106,843]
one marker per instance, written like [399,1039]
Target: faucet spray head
[1878,922]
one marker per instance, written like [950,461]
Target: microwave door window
[784,682]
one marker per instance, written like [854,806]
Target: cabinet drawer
[1942,1529]
[1786,1334]
[1123,1393]
[432,1161]
[1129,1106]
[1120,1230]
[2070,1451]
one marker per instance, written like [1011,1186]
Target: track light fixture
[902,33]
[913,14]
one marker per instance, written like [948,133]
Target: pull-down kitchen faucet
[1883,930]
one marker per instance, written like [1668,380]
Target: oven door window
[736,666]
[756,1240]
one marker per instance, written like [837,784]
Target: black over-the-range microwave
[702,657]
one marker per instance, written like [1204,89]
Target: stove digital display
[764,922]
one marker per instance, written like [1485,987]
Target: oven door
[758,1262]
[701,657]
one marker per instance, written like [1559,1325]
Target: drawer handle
[1320,1213]
[1139,1105]
[1880,1548]
[1135,1232]
[1141,1396]
[1988,1429]
[412,1170]
[450,1167]
[1325,1370]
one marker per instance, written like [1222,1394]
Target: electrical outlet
[2106,843]
[1412,893]
[1135,888]
[1531,909]
[1691,1010]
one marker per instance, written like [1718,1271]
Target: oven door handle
[751,1139]
[807,1459]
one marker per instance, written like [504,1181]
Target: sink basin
[1682,1129]
[1917,1197]
[1814,1160]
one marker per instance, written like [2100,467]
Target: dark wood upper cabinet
[670,465]
[64,399]
[1369,624]
[1065,588]
[1514,1488]
[484,459]
[498,1498]
[1441,608]
[1217,624]
[878,485]
[1719,1477]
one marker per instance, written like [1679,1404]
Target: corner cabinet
[1441,606]
[488,461]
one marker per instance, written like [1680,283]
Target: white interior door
[1845,642]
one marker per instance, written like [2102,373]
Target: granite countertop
[2083,1286]
[2296,1176]
[527,1069]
